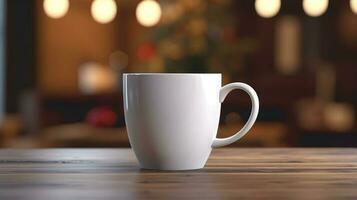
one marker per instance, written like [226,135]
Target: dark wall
[20,71]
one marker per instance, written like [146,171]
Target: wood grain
[229,174]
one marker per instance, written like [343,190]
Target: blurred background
[61,63]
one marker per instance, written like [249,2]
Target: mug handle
[219,142]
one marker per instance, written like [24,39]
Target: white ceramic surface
[172,119]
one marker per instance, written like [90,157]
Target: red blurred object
[102,116]
[146,51]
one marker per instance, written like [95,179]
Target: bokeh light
[104,11]
[315,8]
[56,8]
[353,5]
[267,8]
[148,13]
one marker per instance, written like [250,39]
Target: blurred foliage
[196,36]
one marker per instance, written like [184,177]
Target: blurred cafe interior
[61,63]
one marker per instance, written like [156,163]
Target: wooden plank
[229,174]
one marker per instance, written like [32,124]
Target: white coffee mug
[172,119]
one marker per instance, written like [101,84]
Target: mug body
[171,119]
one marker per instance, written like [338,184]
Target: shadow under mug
[172,119]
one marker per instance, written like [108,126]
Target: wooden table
[229,173]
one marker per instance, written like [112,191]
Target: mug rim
[172,74]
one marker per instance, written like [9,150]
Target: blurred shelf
[265,134]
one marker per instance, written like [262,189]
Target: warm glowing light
[104,11]
[56,8]
[267,8]
[315,8]
[353,5]
[96,78]
[148,13]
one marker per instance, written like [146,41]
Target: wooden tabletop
[229,174]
